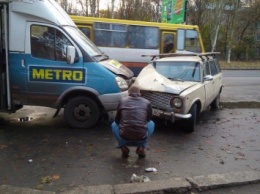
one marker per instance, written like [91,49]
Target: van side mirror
[70,54]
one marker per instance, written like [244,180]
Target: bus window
[192,41]
[86,31]
[111,35]
[168,43]
[188,40]
[143,37]
[180,39]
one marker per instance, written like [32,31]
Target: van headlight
[122,84]
[176,102]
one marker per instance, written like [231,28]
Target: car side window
[206,69]
[213,68]
[218,66]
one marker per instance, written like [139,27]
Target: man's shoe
[140,151]
[125,151]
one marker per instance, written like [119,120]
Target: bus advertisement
[127,40]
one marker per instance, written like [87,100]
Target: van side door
[48,73]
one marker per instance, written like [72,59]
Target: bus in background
[127,40]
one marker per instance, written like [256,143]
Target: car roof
[193,57]
[180,58]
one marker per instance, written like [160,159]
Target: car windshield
[182,71]
[84,42]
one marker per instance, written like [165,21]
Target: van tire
[191,122]
[81,112]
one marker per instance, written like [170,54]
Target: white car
[181,86]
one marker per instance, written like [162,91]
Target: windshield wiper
[101,57]
[174,78]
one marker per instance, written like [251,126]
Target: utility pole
[65,5]
[113,15]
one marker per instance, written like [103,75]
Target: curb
[175,185]
[240,104]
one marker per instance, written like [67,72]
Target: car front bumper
[170,115]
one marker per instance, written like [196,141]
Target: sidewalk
[176,185]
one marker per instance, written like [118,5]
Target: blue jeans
[123,142]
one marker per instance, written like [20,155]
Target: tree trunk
[113,5]
[229,55]
[215,40]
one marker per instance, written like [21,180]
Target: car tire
[81,112]
[191,122]
[215,105]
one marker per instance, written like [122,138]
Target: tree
[247,28]
[134,10]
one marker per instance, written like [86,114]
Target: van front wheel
[81,112]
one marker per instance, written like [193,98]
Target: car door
[217,77]
[208,84]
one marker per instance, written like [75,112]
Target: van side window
[48,43]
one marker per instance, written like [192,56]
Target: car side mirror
[70,54]
[208,78]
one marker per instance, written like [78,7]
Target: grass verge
[243,65]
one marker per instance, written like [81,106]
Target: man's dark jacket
[132,115]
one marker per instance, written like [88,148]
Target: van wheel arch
[82,110]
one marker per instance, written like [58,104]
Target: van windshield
[83,40]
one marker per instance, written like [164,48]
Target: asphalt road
[31,152]
[241,86]
[45,154]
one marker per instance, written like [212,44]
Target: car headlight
[176,102]
[122,84]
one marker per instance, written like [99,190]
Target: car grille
[158,99]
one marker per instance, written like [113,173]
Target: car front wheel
[191,122]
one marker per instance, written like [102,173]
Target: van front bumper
[111,101]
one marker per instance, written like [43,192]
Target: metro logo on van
[56,74]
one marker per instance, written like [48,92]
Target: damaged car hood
[149,79]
